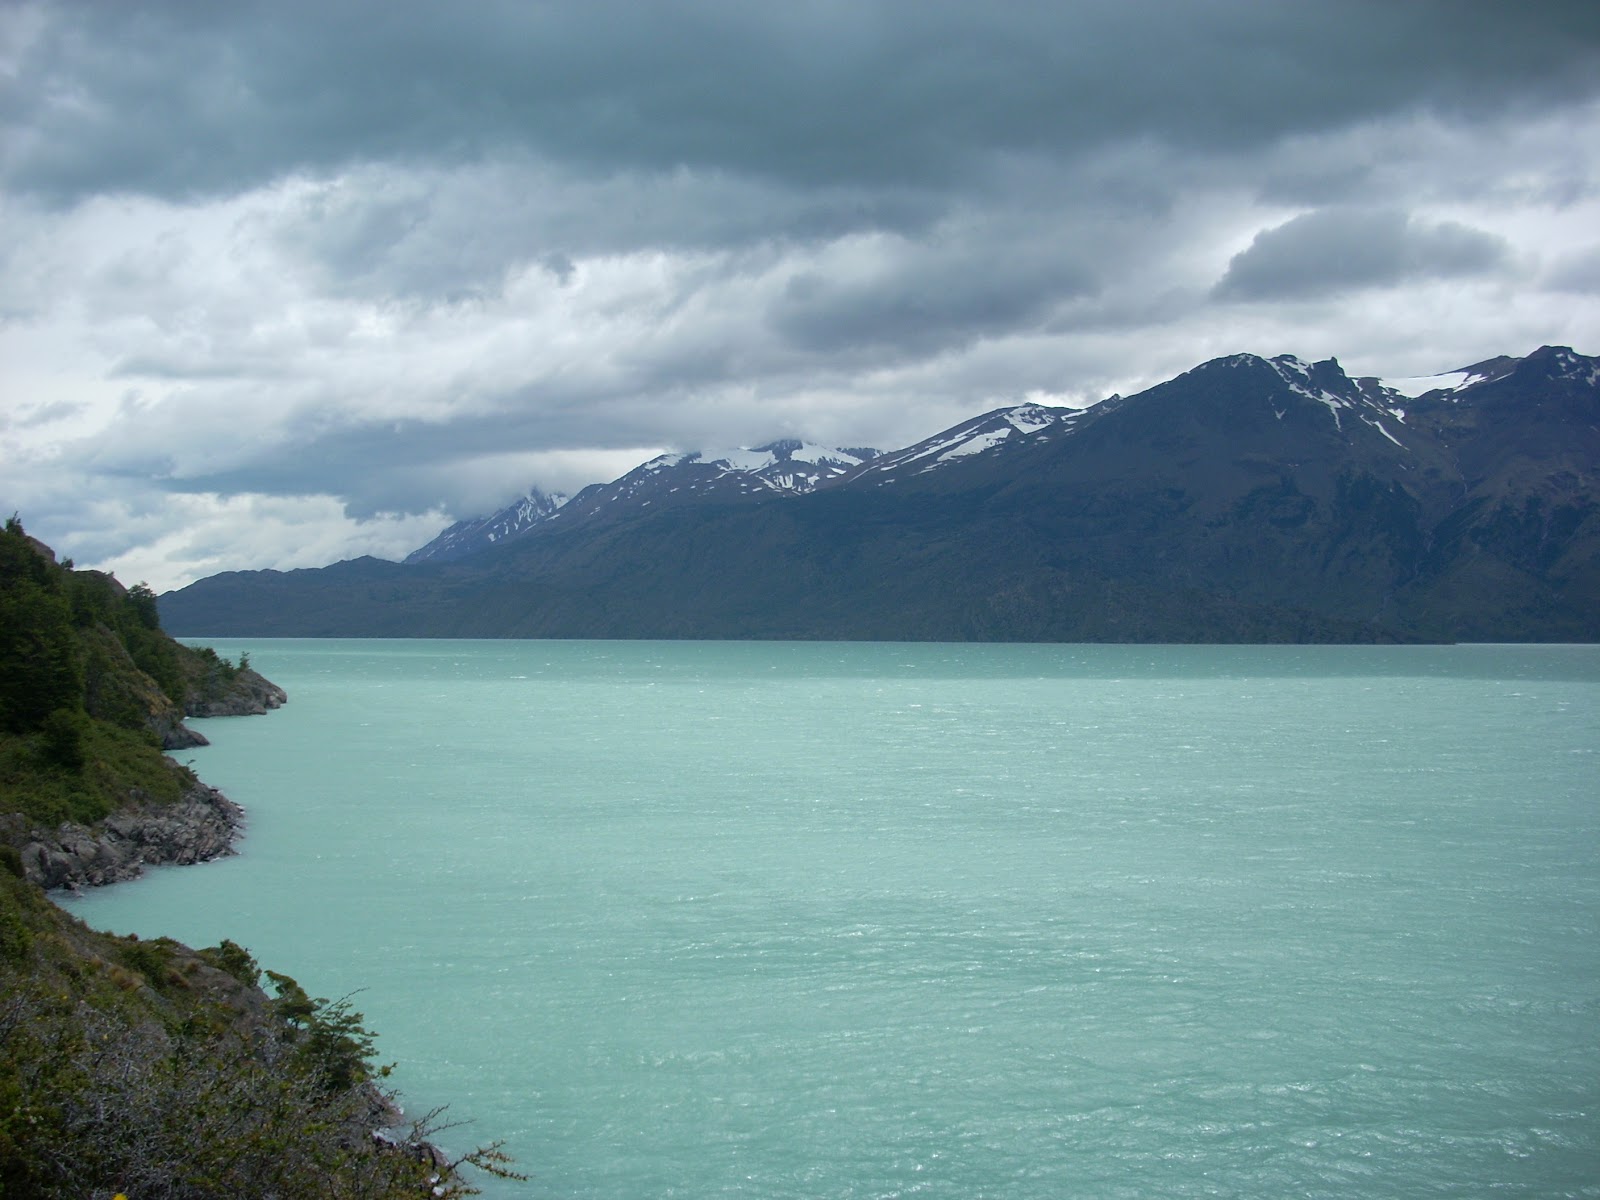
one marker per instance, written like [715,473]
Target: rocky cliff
[200,826]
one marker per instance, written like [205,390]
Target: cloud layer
[1331,251]
[287,282]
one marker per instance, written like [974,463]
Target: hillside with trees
[144,1067]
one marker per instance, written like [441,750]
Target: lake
[687,919]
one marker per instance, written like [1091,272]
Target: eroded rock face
[201,826]
[174,734]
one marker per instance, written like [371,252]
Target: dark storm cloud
[421,234]
[177,98]
[1335,250]
[374,464]
[918,303]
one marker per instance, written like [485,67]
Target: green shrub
[61,739]
[152,959]
[235,960]
[332,1042]
[16,939]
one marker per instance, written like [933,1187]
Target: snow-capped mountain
[784,467]
[997,428]
[788,467]
[1354,405]
[480,533]
[1248,499]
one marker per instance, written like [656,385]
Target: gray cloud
[286,279]
[1578,272]
[916,301]
[429,234]
[1335,250]
[181,98]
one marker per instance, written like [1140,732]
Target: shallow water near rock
[826,920]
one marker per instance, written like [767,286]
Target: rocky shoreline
[204,825]
[201,826]
[248,694]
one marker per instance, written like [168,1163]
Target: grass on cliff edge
[112,766]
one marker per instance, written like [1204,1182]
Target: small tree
[332,1040]
[142,604]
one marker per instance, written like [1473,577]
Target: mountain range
[787,467]
[1249,499]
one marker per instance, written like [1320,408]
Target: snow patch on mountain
[1327,384]
[976,436]
[466,537]
[788,465]
[1449,384]
[1297,376]
[1421,385]
[1378,425]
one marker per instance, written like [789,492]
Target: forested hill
[147,1068]
[91,692]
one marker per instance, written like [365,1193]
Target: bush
[331,1040]
[235,960]
[61,739]
[153,960]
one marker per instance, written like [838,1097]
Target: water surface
[826,920]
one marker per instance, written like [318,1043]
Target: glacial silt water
[823,920]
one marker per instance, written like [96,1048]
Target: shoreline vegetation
[147,1067]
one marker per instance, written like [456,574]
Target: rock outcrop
[201,826]
[248,694]
[174,734]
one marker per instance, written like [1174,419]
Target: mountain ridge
[1247,499]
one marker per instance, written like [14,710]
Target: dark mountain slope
[1249,499]
[1254,483]
[484,533]
[1524,525]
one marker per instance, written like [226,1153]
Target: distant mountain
[1002,426]
[1250,499]
[785,468]
[788,466]
[481,533]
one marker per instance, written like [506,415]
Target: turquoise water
[816,920]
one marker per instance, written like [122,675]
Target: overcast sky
[287,282]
